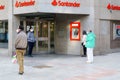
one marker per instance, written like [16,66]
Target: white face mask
[31,30]
[17,30]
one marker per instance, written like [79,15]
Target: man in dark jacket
[20,45]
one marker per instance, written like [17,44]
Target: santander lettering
[113,7]
[2,7]
[25,3]
[65,3]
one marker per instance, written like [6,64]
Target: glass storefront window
[116,30]
[3,31]
[3,34]
[115,34]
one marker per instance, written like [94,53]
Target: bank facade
[58,24]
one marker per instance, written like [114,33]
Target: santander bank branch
[58,24]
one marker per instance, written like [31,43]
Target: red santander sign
[2,7]
[65,3]
[118,26]
[113,7]
[24,3]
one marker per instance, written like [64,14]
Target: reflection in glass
[43,29]
[43,45]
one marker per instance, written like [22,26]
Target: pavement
[61,67]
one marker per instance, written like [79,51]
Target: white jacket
[84,39]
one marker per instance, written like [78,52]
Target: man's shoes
[30,56]
[21,73]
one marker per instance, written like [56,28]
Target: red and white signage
[24,3]
[2,7]
[118,30]
[65,3]
[75,31]
[117,26]
[113,7]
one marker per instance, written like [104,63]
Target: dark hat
[21,27]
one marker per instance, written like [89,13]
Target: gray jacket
[31,37]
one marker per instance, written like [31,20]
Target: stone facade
[104,20]
[4,10]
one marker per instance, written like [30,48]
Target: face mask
[31,30]
[17,30]
[87,32]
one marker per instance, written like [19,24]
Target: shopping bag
[14,59]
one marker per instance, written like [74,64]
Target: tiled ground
[62,67]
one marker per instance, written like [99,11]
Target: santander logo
[2,7]
[24,3]
[113,7]
[54,3]
[65,3]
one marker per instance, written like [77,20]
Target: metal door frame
[37,39]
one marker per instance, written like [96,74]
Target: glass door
[45,36]
[44,33]
[42,43]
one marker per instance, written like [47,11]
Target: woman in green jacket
[90,44]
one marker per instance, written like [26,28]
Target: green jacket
[90,40]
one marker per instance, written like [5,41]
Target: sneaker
[30,56]
[90,62]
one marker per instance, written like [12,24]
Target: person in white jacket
[83,43]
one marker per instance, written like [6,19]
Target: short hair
[21,27]
[84,32]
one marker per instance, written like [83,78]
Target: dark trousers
[30,47]
[84,50]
